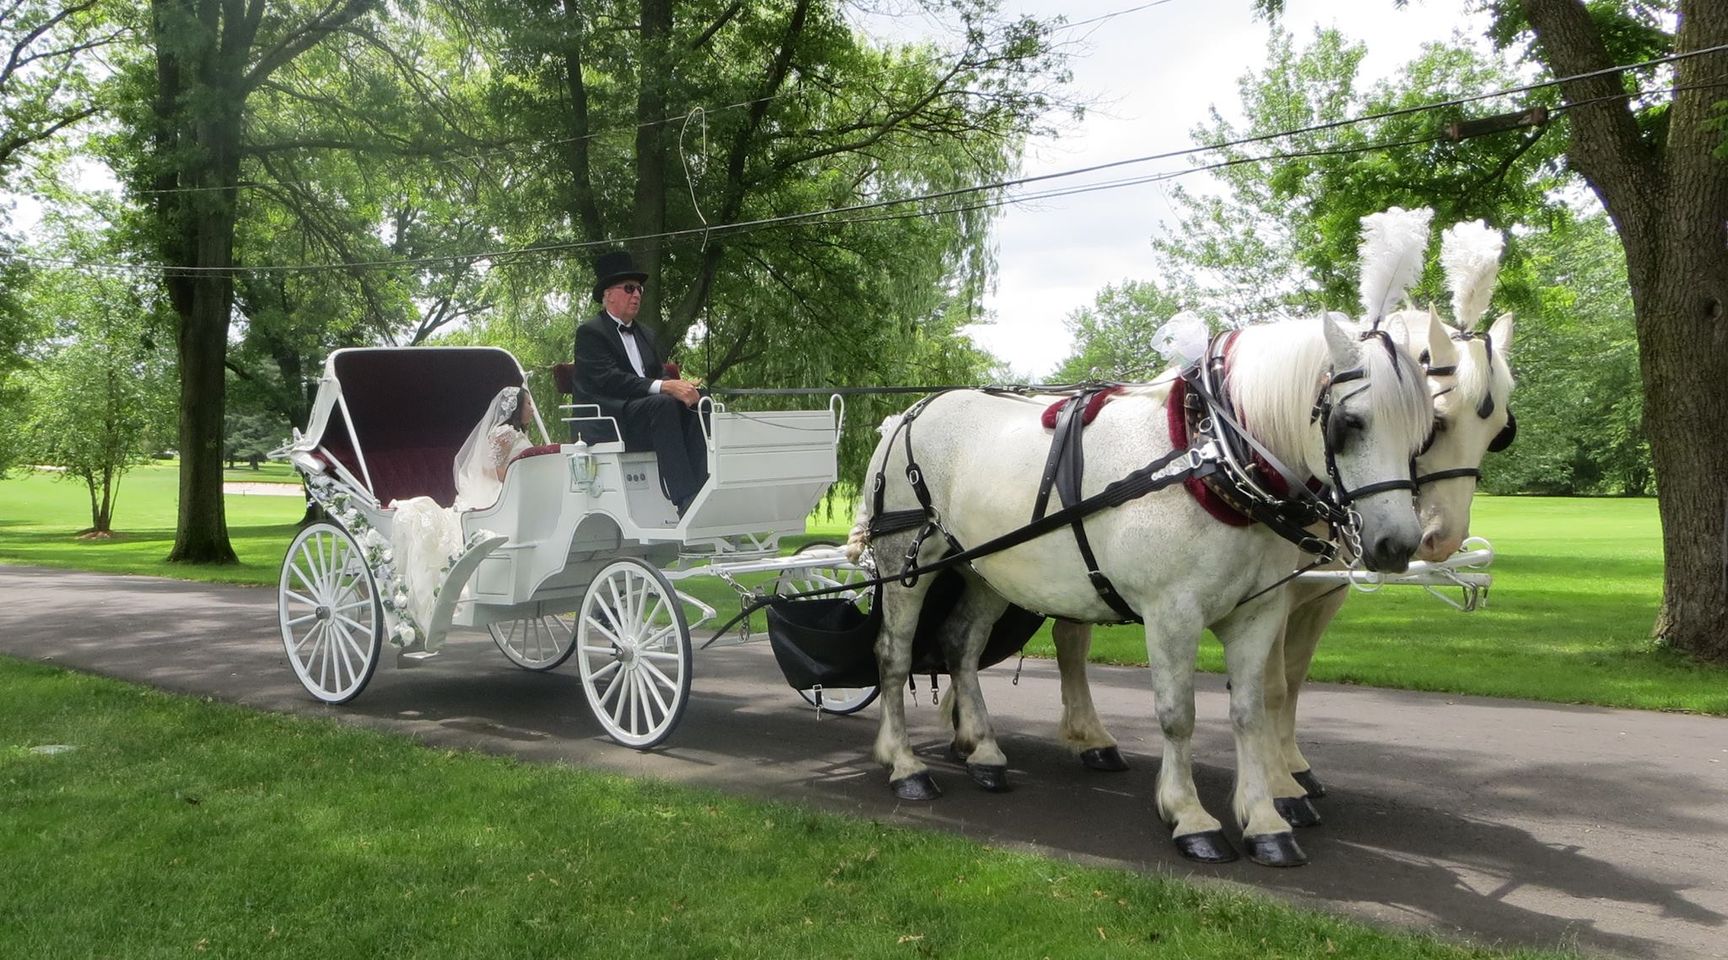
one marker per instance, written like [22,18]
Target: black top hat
[614,266]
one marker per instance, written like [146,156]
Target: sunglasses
[631,289]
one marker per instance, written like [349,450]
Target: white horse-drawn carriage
[577,556]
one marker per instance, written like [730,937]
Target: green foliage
[100,398]
[251,437]
[1283,235]
[48,51]
[1113,336]
[1579,400]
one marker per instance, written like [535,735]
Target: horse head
[1373,413]
[1472,417]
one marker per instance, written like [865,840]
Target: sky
[1152,76]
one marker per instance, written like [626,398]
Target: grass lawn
[1577,583]
[181,828]
[1576,586]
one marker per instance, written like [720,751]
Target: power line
[705,232]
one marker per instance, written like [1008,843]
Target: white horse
[1471,381]
[980,457]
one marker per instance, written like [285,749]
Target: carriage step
[413,658]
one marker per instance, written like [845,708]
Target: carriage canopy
[395,417]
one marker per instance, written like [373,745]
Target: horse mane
[1274,379]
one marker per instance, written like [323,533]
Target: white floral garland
[338,501]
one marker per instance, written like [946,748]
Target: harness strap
[1064,469]
[1173,467]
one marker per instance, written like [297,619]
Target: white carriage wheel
[536,643]
[843,701]
[327,606]
[633,647]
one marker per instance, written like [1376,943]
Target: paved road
[1499,821]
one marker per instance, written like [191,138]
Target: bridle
[1484,409]
[1332,436]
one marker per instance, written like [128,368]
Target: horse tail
[858,540]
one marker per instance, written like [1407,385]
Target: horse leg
[1302,632]
[1288,796]
[963,640]
[1248,636]
[908,776]
[1171,650]
[1081,728]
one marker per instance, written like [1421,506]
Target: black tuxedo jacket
[603,372]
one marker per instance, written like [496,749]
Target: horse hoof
[1275,850]
[993,778]
[1309,782]
[1297,811]
[1107,759]
[919,786]
[1207,846]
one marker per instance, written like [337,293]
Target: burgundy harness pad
[1087,415]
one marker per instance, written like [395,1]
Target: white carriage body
[387,424]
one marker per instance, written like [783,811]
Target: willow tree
[664,124]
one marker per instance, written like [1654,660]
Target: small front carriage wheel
[633,646]
[331,620]
[536,643]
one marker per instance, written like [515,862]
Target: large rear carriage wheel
[633,648]
[327,605]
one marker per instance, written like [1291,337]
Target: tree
[1282,236]
[45,85]
[205,61]
[1579,401]
[1113,336]
[797,114]
[100,399]
[1655,159]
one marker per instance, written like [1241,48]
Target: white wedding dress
[426,537]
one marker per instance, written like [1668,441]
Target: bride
[427,537]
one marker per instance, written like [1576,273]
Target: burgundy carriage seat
[411,410]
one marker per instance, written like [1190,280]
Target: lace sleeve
[500,445]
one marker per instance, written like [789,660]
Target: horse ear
[1442,351]
[1341,344]
[1502,334]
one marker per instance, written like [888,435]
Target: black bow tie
[627,331]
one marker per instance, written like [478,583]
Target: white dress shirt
[632,351]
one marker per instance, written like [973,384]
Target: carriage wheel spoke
[353,623]
[597,675]
[660,655]
[624,683]
[614,687]
[671,684]
[654,689]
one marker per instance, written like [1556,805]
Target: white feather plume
[1182,340]
[1470,254]
[1393,244]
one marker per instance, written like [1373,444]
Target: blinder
[1507,434]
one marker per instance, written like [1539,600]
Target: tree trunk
[649,207]
[1669,202]
[201,534]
